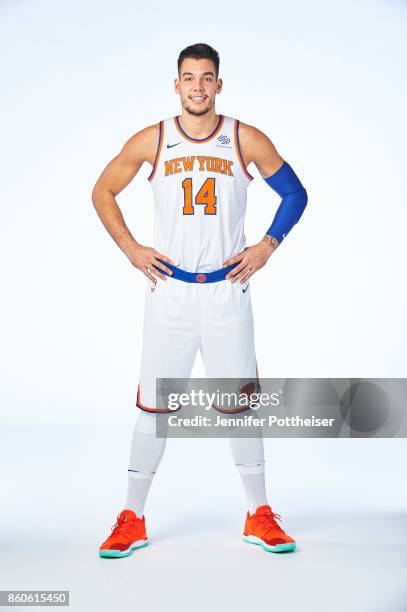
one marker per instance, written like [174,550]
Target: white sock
[145,456]
[137,490]
[254,485]
[248,455]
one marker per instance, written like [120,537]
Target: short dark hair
[199,51]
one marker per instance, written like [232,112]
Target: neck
[198,126]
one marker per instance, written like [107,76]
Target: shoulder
[251,135]
[143,144]
[257,147]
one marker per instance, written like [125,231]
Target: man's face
[197,85]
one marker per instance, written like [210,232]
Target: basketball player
[197,274]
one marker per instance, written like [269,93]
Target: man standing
[197,289]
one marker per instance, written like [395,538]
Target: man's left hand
[251,259]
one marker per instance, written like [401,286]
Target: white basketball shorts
[181,318]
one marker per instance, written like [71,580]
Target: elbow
[94,196]
[303,199]
[99,196]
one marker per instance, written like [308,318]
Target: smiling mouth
[198,98]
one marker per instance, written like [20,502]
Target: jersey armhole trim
[157,155]
[239,153]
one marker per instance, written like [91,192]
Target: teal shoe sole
[117,554]
[288,547]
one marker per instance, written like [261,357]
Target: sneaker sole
[289,546]
[115,554]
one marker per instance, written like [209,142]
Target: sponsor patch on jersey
[224,139]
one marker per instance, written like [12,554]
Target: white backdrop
[325,81]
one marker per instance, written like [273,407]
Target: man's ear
[219,85]
[176,85]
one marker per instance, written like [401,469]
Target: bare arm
[255,147]
[259,149]
[115,177]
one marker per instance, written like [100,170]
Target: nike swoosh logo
[174,145]
[244,290]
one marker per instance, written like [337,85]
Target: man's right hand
[145,258]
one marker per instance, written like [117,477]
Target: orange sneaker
[128,533]
[261,528]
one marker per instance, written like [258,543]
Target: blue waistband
[196,277]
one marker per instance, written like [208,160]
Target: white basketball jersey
[200,195]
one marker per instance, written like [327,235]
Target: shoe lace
[122,525]
[268,524]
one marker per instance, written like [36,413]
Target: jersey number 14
[206,196]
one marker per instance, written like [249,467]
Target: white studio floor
[344,501]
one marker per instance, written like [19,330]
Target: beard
[197,112]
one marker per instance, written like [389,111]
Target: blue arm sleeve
[287,184]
